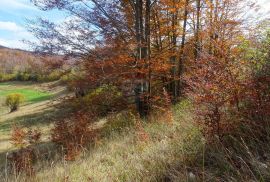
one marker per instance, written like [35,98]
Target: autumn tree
[115,41]
[217,83]
[141,46]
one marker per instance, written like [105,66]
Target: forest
[138,90]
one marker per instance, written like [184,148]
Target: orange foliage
[23,159]
[73,134]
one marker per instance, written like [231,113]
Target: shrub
[69,79]
[40,78]
[162,108]
[14,100]
[46,77]
[102,100]
[23,159]
[33,77]
[73,134]
[65,78]
[53,76]
[7,77]
[23,76]
[216,89]
[230,92]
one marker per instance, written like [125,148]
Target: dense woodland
[144,58]
[20,65]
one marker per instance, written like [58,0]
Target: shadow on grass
[16,83]
[39,99]
[45,152]
[37,119]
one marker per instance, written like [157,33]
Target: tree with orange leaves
[141,46]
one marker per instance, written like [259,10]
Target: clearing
[37,112]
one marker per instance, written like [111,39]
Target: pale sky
[265,7]
[14,12]
[13,15]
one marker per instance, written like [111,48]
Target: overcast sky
[13,14]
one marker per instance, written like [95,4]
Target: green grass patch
[31,96]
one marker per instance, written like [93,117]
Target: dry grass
[125,157]
[173,151]
[35,115]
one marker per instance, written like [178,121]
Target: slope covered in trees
[20,65]
[136,62]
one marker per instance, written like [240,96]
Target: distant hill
[3,47]
[16,60]
[12,60]
[15,49]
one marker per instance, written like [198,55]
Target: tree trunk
[197,31]
[181,56]
[142,88]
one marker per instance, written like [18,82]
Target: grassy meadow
[37,111]
[31,94]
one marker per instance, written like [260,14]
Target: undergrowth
[170,152]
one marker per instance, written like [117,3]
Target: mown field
[37,111]
[30,95]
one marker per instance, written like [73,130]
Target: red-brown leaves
[73,134]
[22,138]
[18,136]
[22,160]
[216,91]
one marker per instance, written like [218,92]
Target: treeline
[28,76]
[16,65]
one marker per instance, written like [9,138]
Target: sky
[13,15]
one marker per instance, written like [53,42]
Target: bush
[7,77]
[23,76]
[102,100]
[47,77]
[22,160]
[31,76]
[67,78]
[73,135]
[217,89]
[53,76]
[14,100]
[229,92]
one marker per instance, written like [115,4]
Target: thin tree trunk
[139,37]
[174,85]
[181,57]
[197,31]
[148,51]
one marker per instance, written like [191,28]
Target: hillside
[2,47]
[135,91]
[21,65]
[155,151]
